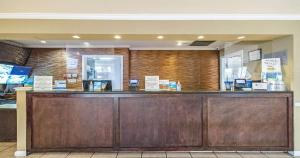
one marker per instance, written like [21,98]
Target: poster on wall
[72,63]
[255,55]
[151,83]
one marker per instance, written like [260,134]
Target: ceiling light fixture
[179,43]
[86,44]
[117,37]
[201,37]
[241,37]
[43,41]
[76,36]
[160,37]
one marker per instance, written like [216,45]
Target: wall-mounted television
[13,74]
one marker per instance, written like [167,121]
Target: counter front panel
[72,121]
[165,121]
[64,122]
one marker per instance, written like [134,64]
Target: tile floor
[7,150]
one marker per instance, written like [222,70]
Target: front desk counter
[187,120]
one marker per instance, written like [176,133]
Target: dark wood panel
[194,69]
[8,125]
[248,122]
[161,121]
[121,121]
[72,122]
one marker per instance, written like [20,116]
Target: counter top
[72,91]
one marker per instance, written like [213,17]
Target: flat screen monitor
[21,70]
[5,71]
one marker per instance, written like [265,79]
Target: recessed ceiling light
[179,43]
[200,37]
[160,37]
[117,37]
[241,37]
[76,36]
[86,43]
[43,41]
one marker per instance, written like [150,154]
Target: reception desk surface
[187,120]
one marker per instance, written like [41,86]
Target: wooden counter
[87,121]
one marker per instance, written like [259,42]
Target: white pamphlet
[151,83]
[42,83]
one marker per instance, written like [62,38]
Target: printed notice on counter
[42,83]
[151,83]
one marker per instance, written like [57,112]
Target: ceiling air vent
[201,43]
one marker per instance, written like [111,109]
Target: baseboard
[20,153]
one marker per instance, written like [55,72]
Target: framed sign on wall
[255,54]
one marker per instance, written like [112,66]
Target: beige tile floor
[7,150]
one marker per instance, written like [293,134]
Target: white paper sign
[271,65]
[151,83]
[60,84]
[255,55]
[42,83]
[72,63]
[259,86]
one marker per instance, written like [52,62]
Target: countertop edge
[152,92]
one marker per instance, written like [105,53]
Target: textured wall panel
[50,62]
[13,54]
[194,69]
[54,61]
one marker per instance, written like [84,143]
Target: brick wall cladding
[13,54]
[195,69]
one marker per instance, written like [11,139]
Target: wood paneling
[194,69]
[8,125]
[87,121]
[13,54]
[161,121]
[72,122]
[248,122]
